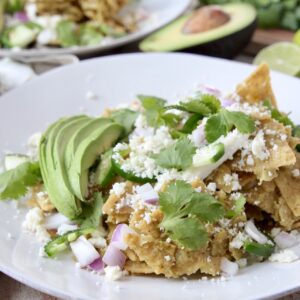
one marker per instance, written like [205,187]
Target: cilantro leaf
[191,123]
[277,115]
[224,121]
[171,120]
[238,207]
[196,106]
[178,155]
[185,210]
[14,183]
[126,118]
[263,250]
[92,213]
[154,109]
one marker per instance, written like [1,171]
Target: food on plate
[215,30]
[40,23]
[271,13]
[205,185]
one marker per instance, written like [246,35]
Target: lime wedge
[283,57]
[296,39]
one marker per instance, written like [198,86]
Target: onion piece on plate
[114,257]
[228,267]
[56,220]
[84,251]
[285,240]
[97,265]
[147,193]
[254,233]
[117,239]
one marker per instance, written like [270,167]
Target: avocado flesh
[54,176]
[86,154]
[171,37]
[80,134]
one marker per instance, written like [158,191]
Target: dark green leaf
[171,120]
[191,124]
[178,155]
[14,183]
[262,250]
[277,115]
[126,118]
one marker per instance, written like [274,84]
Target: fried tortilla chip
[257,87]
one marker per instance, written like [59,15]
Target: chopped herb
[224,121]
[178,155]
[185,210]
[296,131]
[14,183]
[126,118]
[238,207]
[262,250]
[171,120]
[191,124]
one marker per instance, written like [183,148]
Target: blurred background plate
[162,12]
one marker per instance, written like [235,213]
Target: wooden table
[14,290]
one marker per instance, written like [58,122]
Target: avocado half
[226,41]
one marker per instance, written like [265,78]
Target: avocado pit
[204,19]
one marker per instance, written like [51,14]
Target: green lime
[296,39]
[283,57]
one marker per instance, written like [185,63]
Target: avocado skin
[228,46]
[86,154]
[52,149]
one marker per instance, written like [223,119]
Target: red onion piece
[84,251]
[97,265]
[147,193]
[228,267]
[119,234]
[285,240]
[21,16]
[226,102]
[56,220]
[210,90]
[114,257]
[254,233]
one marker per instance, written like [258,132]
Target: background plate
[163,12]
[115,80]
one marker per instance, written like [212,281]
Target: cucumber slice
[11,161]
[128,175]
[209,155]
[105,171]
[61,243]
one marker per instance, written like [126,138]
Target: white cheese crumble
[238,240]
[98,242]
[167,258]
[64,228]
[233,181]
[34,223]
[113,273]
[284,256]
[296,173]
[118,189]
[212,187]
[33,144]
[258,146]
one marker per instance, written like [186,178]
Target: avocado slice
[224,40]
[52,149]
[89,149]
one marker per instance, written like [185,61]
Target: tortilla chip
[257,87]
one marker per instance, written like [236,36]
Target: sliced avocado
[52,148]
[80,134]
[91,147]
[225,38]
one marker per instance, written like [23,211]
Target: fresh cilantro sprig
[238,207]
[224,121]
[178,155]
[261,250]
[186,211]
[125,117]
[277,115]
[14,183]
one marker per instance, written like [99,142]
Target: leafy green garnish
[238,207]
[89,34]
[125,117]
[262,250]
[191,123]
[185,211]
[277,115]
[178,155]
[14,183]
[296,131]
[171,120]
[61,243]
[92,213]
[154,109]
[224,121]
[67,33]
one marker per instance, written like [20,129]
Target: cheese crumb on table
[113,273]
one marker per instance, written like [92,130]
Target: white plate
[116,79]
[161,13]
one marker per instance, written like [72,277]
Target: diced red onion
[226,102]
[97,265]
[210,90]
[114,257]
[254,233]
[119,234]
[56,220]
[21,16]
[84,251]
[198,135]
[285,240]
[228,267]
[147,193]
